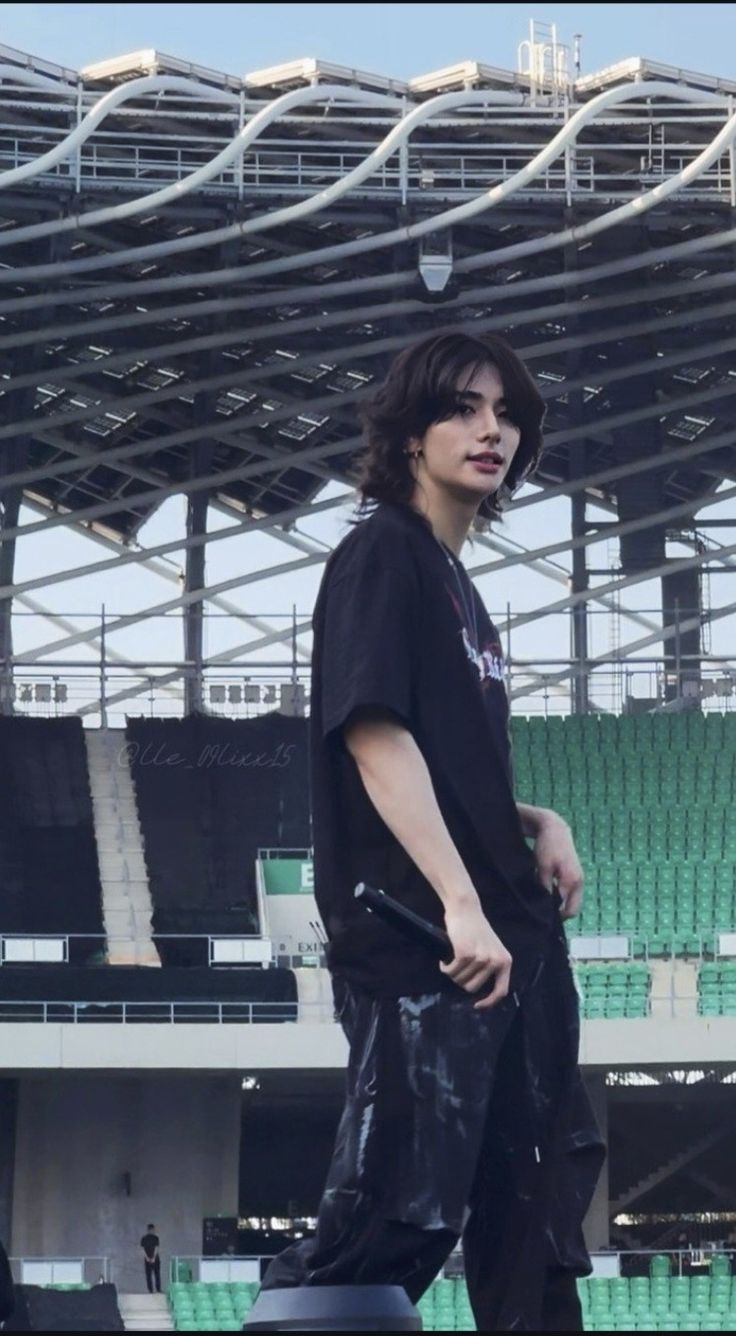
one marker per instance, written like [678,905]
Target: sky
[399,40]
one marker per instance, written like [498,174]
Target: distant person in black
[465,1113]
[151,1260]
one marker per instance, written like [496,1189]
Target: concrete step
[662,989]
[126,925]
[121,863]
[121,896]
[148,1323]
[145,1312]
[131,952]
[126,897]
[120,825]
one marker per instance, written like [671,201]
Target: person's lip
[489,462]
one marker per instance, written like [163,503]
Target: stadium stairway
[314,991]
[662,986]
[145,1312]
[126,897]
[685,987]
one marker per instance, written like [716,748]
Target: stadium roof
[202,274]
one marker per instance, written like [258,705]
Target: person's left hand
[558,862]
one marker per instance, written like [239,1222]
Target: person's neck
[450,519]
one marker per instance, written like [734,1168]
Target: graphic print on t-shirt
[488,662]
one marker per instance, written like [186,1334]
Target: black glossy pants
[461,1124]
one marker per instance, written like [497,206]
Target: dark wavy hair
[421,388]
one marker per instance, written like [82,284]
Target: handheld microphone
[409,924]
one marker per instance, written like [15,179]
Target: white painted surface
[237,1048]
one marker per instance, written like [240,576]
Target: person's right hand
[478,953]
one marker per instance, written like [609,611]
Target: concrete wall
[605,1045]
[78,1136]
[597,1223]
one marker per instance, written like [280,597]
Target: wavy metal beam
[240,144]
[153,83]
[525,176]
[8,73]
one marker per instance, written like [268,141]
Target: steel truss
[157,340]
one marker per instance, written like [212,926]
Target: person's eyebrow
[480,398]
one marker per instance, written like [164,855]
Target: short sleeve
[369,647]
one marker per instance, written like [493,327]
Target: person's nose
[489,430]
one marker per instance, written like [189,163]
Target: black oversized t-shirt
[149,1244]
[399,626]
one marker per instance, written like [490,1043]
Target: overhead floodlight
[435,265]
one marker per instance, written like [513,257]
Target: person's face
[469,454]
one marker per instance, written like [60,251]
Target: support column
[682,599]
[579,580]
[597,1222]
[578,452]
[197,508]
[9,512]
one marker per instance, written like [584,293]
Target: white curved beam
[152,83]
[239,145]
[538,164]
[20,75]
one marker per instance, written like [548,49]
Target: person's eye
[464,409]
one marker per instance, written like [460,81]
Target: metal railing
[106,689]
[230,1267]
[60,1270]
[107,1012]
[57,948]
[539,687]
[115,160]
[667,1005]
[612,1261]
[683,1261]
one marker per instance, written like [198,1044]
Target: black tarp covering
[41,1309]
[49,873]
[210,793]
[30,993]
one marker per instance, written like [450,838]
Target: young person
[465,1112]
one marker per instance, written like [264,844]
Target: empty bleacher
[614,991]
[649,798]
[661,1302]
[49,874]
[209,793]
[657,1302]
[210,1306]
[717,988]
